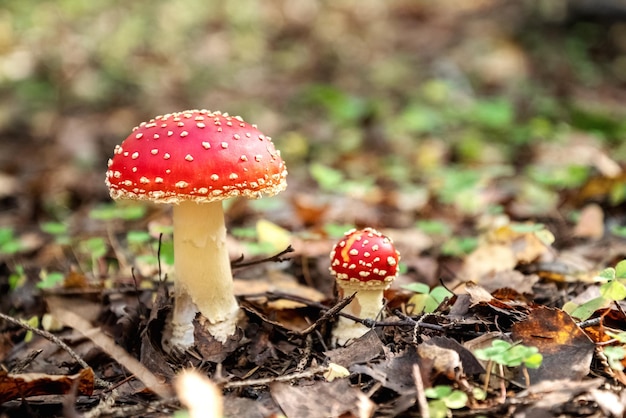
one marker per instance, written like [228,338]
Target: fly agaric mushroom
[365,262]
[195,159]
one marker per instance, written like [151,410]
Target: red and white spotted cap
[195,155]
[365,259]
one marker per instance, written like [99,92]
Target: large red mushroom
[364,262]
[195,159]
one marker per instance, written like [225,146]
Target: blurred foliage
[9,243]
[358,95]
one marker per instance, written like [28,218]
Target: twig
[108,408]
[336,310]
[117,249]
[407,320]
[589,322]
[56,340]
[277,258]
[327,315]
[284,378]
[419,387]
[159,255]
[108,345]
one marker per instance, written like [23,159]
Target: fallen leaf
[276,237]
[513,279]
[550,394]
[505,246]
[321,399]
[445,361]
[567,351]
[591,222]
[15,386]
[393,371]
[362,350]
[488,259]
[470,365]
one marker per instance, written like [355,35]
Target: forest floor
[500,179]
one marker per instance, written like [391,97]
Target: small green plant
[508,354]
[33,321]
[615,354]
[619,231]
[490,113]
[612,289]
[458,246]
[17,278]
[95,246]
[48,280]
[113,211]
[249,238]
[58,230]
[559,177]
[444,398]
[441,231]
[9,243]
[138,238]
[335,181]
[334,230]
[433,227]
[426,300]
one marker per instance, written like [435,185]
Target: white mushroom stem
[203,281]
[367,304]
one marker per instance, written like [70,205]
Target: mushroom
[366,262]
[195,159]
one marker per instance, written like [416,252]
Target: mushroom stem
[367,304]
[203,276]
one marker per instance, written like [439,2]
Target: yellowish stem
[203,279]
[367,304]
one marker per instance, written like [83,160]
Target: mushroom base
[203,276]
[367,304]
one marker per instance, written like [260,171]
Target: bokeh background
[417,107]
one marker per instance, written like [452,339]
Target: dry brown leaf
[477,293]
[16,386]
[506,246]
[321,399]
[363,349]
[470,364]
[591,222]
[445,361]
[393,371]
[551,394]
[512,279]
[488,259]
[567,351]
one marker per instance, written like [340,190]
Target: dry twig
[56,340]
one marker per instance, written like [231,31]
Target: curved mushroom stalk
[203,276]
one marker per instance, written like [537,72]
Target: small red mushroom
[366,262]
[195,159]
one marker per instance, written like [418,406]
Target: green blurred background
[376,99]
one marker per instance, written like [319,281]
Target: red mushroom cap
[195,155]
[364,258]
